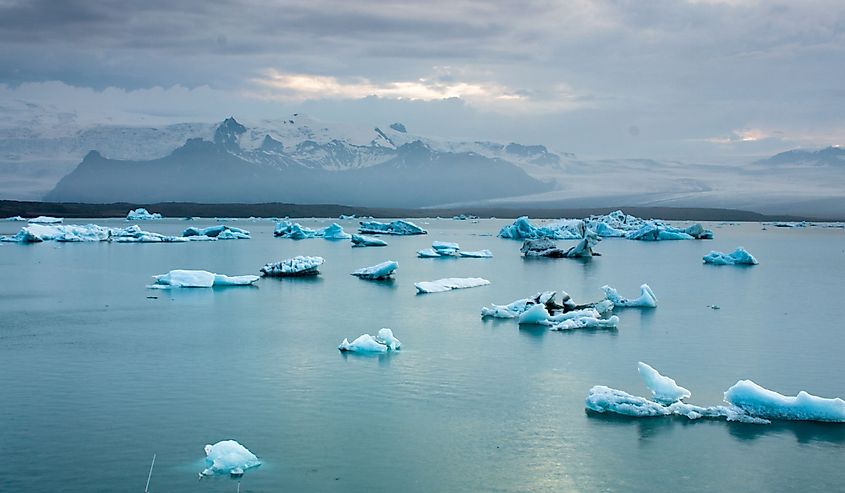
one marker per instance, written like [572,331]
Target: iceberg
[738,257]
[657,231]
[398,227]
[432,253]
[46,220]
[586,322]
[647,299]
[554,311]
[296,266]
[367,241]
[545,247]
[15,218]
[763,403]
[449,284]
[663,389]
[382,343]
[564,229]
[228,457]
[588,318]
[142,214]
[333,232]
[614,223]
[222,232]
[36,233]
[377,272]
[199,279]
[476,254]
[294,231]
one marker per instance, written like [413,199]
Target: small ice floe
[441,249]
[367,241]
[663,389]
[542,309]
[398,227]
[377,272]
[228,457]
[199,279]
[334,231]
[345,217]
[15,218]
[293,267]
[647,299]
[746,402]
[294,231]
[476,254]
[767,404]
[382,343]
[738,257]
[545,247]
[586,322]
[142,214]
[46,220]
[221,232]
[564,229]
[449,284]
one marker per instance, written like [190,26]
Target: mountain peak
[227,134]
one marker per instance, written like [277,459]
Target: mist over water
[99,373]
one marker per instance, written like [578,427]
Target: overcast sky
[694,80]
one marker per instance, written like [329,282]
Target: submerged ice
[228,457]
[365,343]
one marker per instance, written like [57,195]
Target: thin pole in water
[149,476]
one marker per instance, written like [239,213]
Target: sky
[693,80]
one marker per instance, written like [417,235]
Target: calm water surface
[96,376]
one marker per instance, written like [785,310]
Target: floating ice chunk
[564,229]
[663,389]
[445,246]
[228,456]
[333,232]
[738,257]
[476,254]
[382,343]
[511,310]
[545,247]
[215,232]
[615,221]
[199,279]
[763,403]
[294,231]
[603,399]
[34,233]
[698,232]
[367,241]
[398,227]
[647,299]
[142,214]
[431,253]
[46,220]
[15,218]
[449,284]
[607,231]
[587,322]
[535,315]
[291,267]
[656,231]
[377,272]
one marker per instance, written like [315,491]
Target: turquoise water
[96,376]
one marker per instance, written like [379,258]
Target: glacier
[448,284]
[377,272]
[740,256]
[292,267]
[367,241]
[647,299]
[228,457]
[365,343]
[397,227]
[142,214]
[199,279]
[221,232]
[663,389]
[767,404]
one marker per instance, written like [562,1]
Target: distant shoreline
[10,208]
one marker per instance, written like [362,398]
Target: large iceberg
[663,389]
[564,229]
[647,299]
[656,231]
[199,279]
[738,257]
[334,231]
[382,343]
[377,272]
[294,231]
[228,457]
[221,232]
[398,227]
[35,233]
[767,404]
[142,214]
[449,284]
[367,241]
[46,220]
[545,247]
[292,267]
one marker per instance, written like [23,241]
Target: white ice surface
[764,403]
[365,343]
[647,299]
[142,214]
[377,272]
[449,284]
[199,279]
[296,266]
[225,456]
[663,389]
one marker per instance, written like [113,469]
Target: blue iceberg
[738,257]
[377,272]
[398,227]
[221,232]
[365,343]
[367,241]
[199,279]
[228,457]
[142,214]
[293,267]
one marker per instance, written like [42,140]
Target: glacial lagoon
[98,373]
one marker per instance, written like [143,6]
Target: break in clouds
[690,80]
